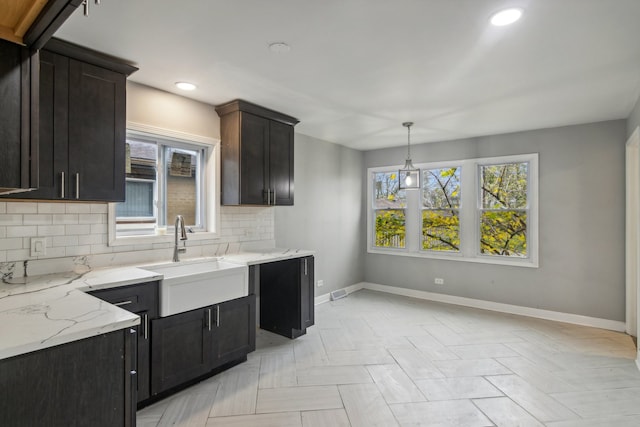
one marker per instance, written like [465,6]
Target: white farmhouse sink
[194,284]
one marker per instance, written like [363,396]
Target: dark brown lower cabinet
[190,345]
[82,383]
[287,296]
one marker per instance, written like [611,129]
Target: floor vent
[340,293]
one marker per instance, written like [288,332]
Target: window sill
[165,238]
[457,257]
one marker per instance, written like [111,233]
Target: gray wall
[634,119]
[327,214]
[581,219]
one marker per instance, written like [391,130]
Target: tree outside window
[440,209]
[389,206]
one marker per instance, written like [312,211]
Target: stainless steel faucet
[183,237]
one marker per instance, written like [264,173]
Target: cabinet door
[97,114]
[18,118]
[235,329]
[182,348]
[83,383]
[143,383]
[254,158]
[280,307]
[281,163]
[307,294]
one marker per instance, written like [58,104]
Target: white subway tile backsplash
[22,208]
[22,231]
[51,208]
[39,219]
[51,230]
[7,219]
[76,234]
[65,219]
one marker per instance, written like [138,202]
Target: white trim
[632,232]
[576,319]
[321,299]
[168,133]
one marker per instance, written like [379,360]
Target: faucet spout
[179,225]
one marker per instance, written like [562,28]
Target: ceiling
[357,69]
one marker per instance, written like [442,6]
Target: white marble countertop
[266,255]
[43,311]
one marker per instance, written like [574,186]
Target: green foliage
[440,230]
[504,233]
[390,229]
[441,188]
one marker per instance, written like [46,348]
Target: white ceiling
[357,69]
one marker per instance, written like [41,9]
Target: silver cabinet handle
[133,372]
[77,185]
[305,266]
[274,196]
[208,318]
[146,326]
[121,303]
[218,316]
[268,196]
[62,185]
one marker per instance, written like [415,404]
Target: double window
[482,210]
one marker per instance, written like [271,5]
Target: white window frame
[210,182]
[469,212]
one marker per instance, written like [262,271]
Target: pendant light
[409,174]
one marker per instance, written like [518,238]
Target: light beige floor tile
[504,412]
[237,392]
[548,382]
[432,348]
[360,357]
[600,378]
[327,375]
[614,421]
[288,399]
[394,384]
[309,351]
[457,388]
[365,406]
[482,351]
[454,413]
[602,403]
[277,370]
[470,368]
[537,403]
[337,340]
[415,364]
[325,418]
[286,419]
[187,411]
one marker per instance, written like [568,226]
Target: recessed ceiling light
[506,17]
[185,86]
[279,47]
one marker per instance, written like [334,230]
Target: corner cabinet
[82,125]
[18,118]
[82,383]
[257,155]
[286,296]
[194,344]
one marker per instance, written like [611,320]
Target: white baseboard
[576,319]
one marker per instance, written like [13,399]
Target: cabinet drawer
[134,298]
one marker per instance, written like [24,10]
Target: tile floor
[375,359]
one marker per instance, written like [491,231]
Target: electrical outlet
[439,281]
[320,283]
[38,246]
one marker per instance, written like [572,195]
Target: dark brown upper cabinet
[82,125]
[18,118]
[257,155]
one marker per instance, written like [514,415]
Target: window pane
[504,233]
[141,159]
[441,188]
[504,186]
[386,192]
[390,229]
[138,200]
[440,230]
[182,185]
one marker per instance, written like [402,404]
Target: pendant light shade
[409,174]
